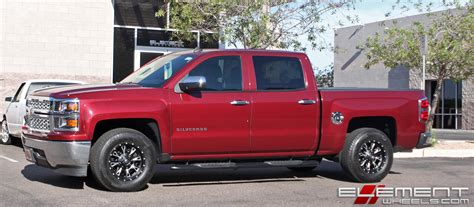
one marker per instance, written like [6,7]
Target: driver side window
[222,73]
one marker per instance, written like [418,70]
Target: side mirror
[8,99]
[193,83]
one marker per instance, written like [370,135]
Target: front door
[13,111]
[285,111]
[215,120]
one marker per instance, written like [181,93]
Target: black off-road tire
[353,155]
[106,145]
[5,139]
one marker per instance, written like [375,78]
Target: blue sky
[367,11]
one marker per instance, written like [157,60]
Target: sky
[367,11]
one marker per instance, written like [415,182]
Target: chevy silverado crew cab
[220,109]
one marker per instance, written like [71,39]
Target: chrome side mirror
[8,99]
[193,83]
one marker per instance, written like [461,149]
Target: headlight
[65,123]
[66,106]
[66,115]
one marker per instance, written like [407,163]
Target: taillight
[424,103]
[423,109]
[424,116]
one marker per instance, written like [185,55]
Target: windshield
[157,72]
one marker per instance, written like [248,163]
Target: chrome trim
[306,102]
[239,102]
[69,158]
[52,113]
[337,118]
[421,109]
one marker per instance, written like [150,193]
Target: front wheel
[367,155]
[123,160]
[4,134]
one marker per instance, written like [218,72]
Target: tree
[257,24]
[450,48]
[325,77]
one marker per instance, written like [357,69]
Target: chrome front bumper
[424,140]
[65,157]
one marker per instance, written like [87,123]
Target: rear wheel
[367,155]
[4,134]
[123,160]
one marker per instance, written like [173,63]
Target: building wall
[468,104]
[349,63]
[47,39]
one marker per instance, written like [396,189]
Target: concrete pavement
[24,184]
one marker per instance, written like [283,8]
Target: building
[457,100]
[96,41]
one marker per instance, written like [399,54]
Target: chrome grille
[38,123]
[39,104]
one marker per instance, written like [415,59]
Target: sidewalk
[451,134]
[443,148]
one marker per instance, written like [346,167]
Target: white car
[16,109]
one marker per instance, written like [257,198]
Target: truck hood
[76,90]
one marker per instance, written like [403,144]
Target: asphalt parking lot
[24,184]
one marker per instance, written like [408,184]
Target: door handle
[306,102]
[239,102]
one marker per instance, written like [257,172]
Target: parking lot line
[7,158]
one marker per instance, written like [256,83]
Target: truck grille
[38,123]
[39,105]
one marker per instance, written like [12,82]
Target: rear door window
[278,73]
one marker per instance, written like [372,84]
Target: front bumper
[65,157]
[424,140]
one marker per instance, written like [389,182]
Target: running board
[228,165]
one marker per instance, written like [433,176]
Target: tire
[367,155]
[5,137]
[108,160]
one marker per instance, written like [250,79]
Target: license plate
[29,154]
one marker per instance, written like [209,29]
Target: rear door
[285,107]
[215,120]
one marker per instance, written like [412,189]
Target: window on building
[449,112]
[222,73]
[278,73]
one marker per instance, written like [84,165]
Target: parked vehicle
[16,109]
[220,109]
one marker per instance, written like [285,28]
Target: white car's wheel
[4,135]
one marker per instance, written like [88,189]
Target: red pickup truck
[220,109]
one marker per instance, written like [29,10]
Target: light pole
[425,50]
[424,53]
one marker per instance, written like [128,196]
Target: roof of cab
[252,51]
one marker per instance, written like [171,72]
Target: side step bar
[227,165]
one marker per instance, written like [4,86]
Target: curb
[430,152]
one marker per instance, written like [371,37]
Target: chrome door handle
[239,102]
[306,102]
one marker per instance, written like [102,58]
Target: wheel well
[385,124]
[149,127]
